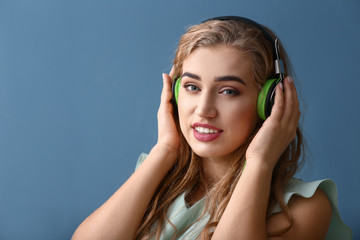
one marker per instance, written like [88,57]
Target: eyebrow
[217,79]
[190,75]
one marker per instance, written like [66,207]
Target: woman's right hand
[168,136]
[104,222]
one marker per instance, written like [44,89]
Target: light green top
[183,216]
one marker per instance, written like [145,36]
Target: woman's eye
[231,92]
[191,88]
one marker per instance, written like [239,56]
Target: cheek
[181,120]
[186,106]
[244,118]
[184,114]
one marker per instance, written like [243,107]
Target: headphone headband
[265,33]
[279,67]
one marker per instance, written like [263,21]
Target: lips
[205,132]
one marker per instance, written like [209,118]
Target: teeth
[205,130]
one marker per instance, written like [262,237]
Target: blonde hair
[186,173]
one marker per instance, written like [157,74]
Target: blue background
[80,85]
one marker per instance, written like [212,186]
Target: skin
[217,89]
[245,215]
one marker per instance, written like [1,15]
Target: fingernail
[281,86]
[289,79]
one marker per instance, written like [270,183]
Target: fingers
[166,93]
[278,108]
[286,106]
[172,72]
[285,112]
[167,83]
[291,111]
[166,88]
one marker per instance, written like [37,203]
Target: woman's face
[217,101]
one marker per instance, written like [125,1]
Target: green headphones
[266,96]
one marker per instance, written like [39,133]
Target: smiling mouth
[206,130]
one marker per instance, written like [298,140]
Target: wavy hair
[186,173]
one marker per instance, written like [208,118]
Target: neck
[214,170]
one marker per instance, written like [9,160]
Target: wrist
[165,151]
[260,165]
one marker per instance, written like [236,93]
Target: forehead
[218,61]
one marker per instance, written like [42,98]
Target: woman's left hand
[279,129]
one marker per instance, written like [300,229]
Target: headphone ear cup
[175,89]
[266,98]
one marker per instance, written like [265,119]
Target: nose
[205,107]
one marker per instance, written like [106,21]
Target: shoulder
[311,217]
[313,207]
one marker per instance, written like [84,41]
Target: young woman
[218,170]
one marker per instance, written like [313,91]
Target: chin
[211,152]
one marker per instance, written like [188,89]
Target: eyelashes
[229,91]
[191,87]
